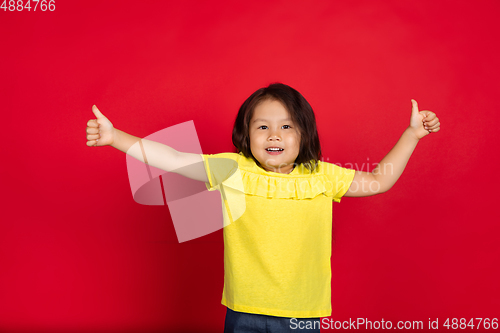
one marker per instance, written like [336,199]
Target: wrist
[410,132]
[114,137]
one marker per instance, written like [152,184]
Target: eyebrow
[281,120]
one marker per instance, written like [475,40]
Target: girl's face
[274,138]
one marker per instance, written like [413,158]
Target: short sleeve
[340,179]
[224,176]
[219,168]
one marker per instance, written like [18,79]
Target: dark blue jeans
[242,322]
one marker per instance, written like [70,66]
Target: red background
[78,254]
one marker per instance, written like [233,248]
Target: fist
[423,123]
[100,131]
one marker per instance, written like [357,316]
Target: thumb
[97,113]
[414,107]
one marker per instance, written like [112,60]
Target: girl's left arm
[388,171]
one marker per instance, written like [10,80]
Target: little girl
[277,253]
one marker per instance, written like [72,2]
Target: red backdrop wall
[78,254]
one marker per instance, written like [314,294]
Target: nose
[274,136]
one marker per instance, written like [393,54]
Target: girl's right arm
[100,132]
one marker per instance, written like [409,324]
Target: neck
[284,170]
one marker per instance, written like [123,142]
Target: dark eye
[286,126]
[263,127]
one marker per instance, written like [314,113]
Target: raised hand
[100,131]
[422,123]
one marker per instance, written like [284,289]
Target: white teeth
[274,149]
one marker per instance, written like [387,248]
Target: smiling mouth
[274,151]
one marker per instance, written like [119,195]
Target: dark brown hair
[301,113]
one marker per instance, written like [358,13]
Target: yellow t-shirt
[277,248]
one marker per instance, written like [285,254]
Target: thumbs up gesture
[423,123]
[100,131]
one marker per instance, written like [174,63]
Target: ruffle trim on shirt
[286,188]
